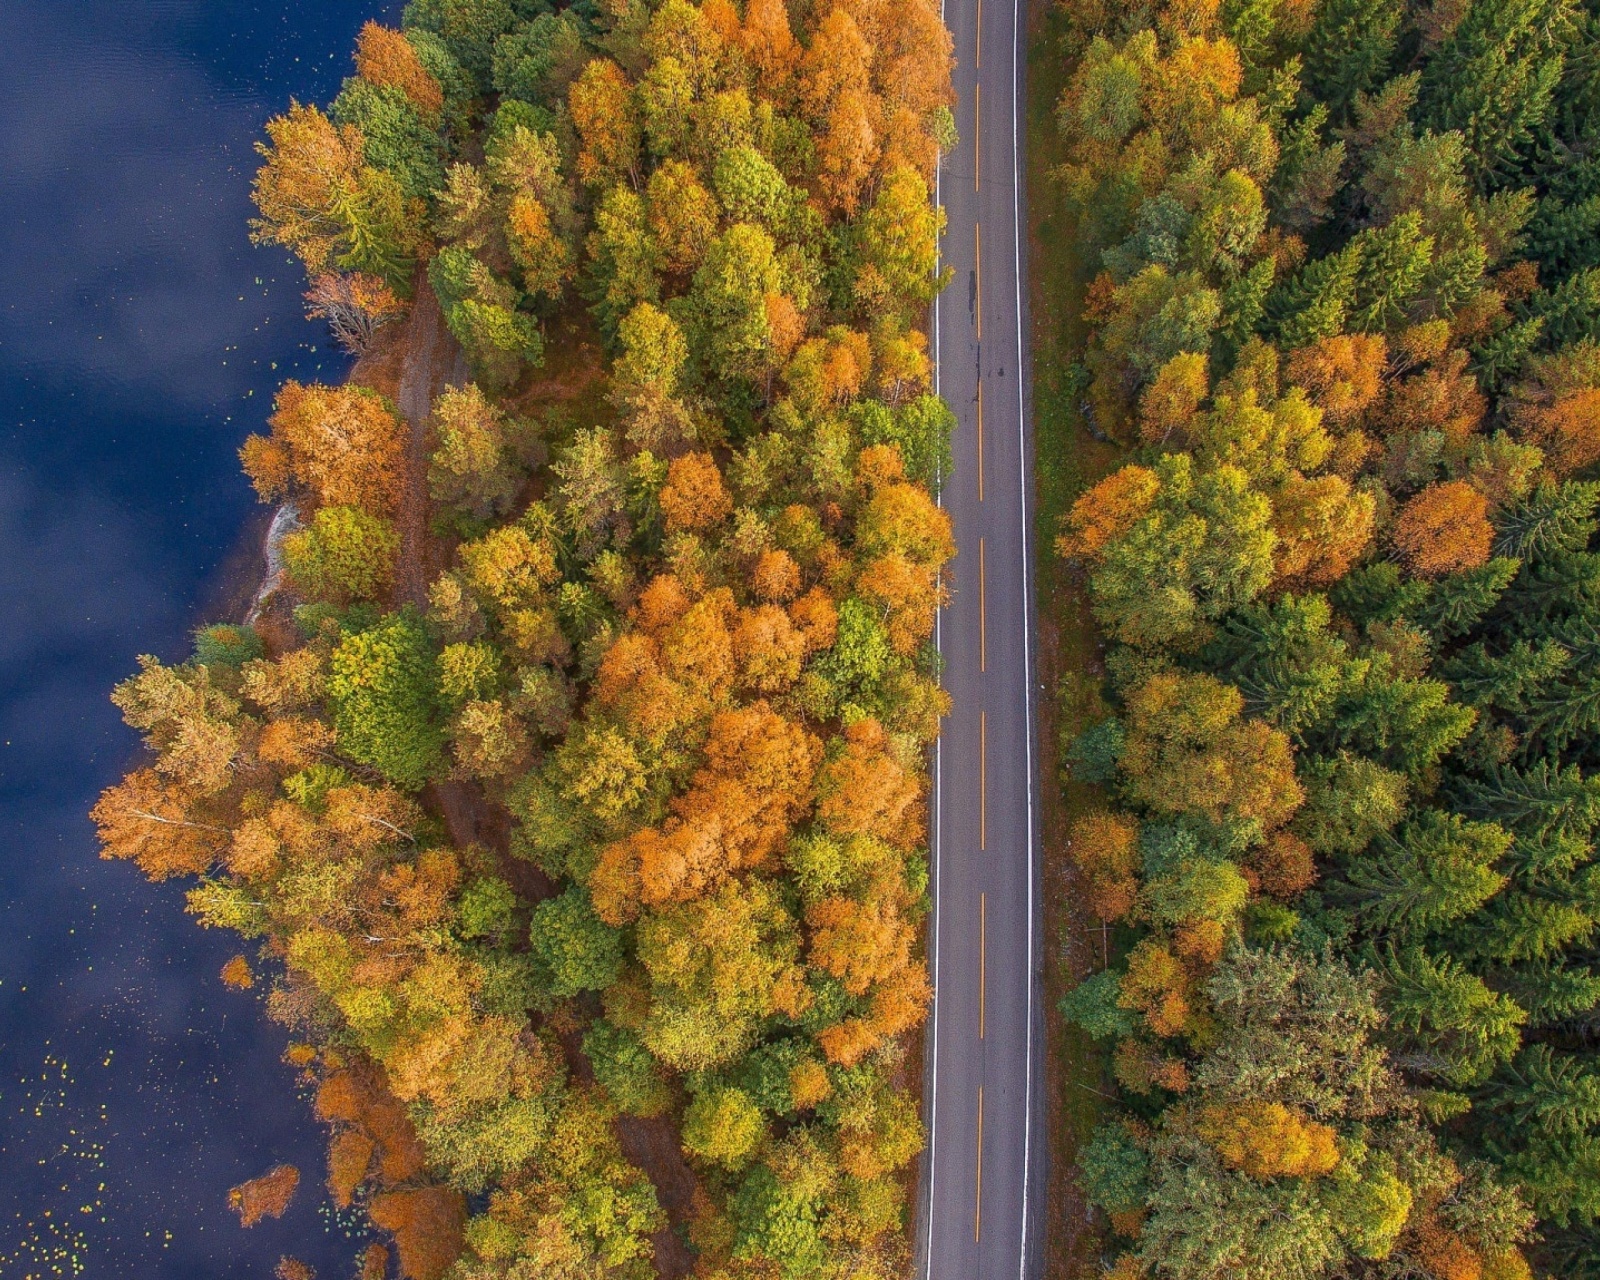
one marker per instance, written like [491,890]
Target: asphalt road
[983,1183]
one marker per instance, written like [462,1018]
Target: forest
[1344,323]
[569,793]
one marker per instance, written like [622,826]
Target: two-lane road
[983,1173]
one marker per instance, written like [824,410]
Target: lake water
[141,338]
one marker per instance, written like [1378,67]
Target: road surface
[983,1184]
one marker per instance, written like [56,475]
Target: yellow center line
[977,139]
[983,956]
[977,1213]
[980,438]
[983,780]
[983,613]
[978,62]
[977,273]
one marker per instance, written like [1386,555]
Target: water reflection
[140,339]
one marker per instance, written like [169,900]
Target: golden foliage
[386,58]
[694,496]
[1267,1140]
[145,818]
[1106,512]
[343,445]
[1105,847]
[238,974]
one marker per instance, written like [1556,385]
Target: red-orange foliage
[345,445]
[736,813]
[357,1096]
[860,943]
[385,57]
[768,648]
[910,594]
[145,818]
[1283,867]
[1567,429]
[1443,529]
[1342,374]
[1444,1253]
[426,1224]
[355,306]
[770,45]
[1107,511]
[776,577]
[1140,1067]
[817,618]
[374,1262]
[349,1156]
[1443,398]
[268,1196]
[1105,847]
[662,603]
[602,105]
[694,496]
[293,1269]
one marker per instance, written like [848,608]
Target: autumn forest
[568,788]
[1342,301]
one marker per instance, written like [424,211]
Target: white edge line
[1027,658]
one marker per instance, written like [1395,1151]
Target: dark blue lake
[141,338]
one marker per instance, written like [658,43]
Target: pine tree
[1440,869]
[1553,518]
[1315,303]
[1558,1092]
[1448,1023]
[1495,77]
[1350,49]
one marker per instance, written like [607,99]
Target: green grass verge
[1066,459]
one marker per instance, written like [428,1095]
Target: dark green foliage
[1316,301]
[1092,1004]
[575,949]
[1437,870]
[1494,79]
[226,644]
[485,908]
[382,687]
[1349,50]
[394,137]
[1445,1021]
[468,29]
[537,61]
[1114,1170]
[775,1222]
[1092,755]
[626,1069]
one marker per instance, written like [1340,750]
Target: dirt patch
[653,1146]
[431,360]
